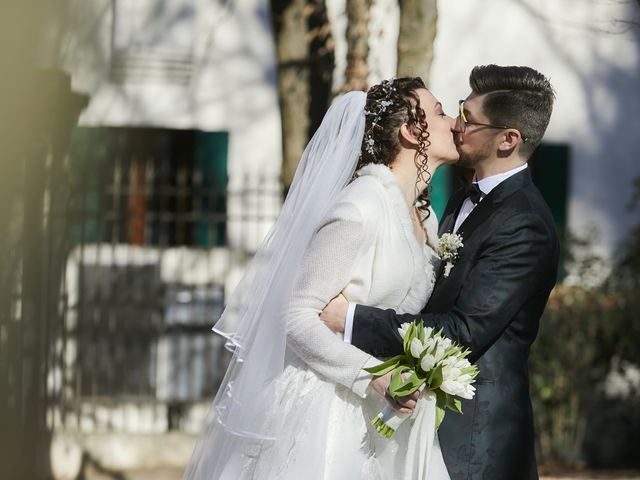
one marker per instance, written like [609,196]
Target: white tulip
[462,363]
[439,354]
[427,362]
[459,389]
[403,329]
[456,362]
[452,387]
[449,362]
[468,392]
[430,343]
[416,348]
[451,373]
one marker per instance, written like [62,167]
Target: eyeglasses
[464,122]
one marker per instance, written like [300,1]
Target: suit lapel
[492,201]
[479,214]
[483,210]
[449,219]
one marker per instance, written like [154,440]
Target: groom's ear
[408,137]
[509,141]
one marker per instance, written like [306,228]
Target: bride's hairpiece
[376,111]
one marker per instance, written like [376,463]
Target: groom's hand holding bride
[335,313]
[334,316]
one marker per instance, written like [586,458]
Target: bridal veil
[253,321]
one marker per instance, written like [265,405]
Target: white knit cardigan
[365,248]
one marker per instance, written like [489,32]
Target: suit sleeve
[325,271]
[512,267]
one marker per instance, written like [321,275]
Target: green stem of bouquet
[385,430]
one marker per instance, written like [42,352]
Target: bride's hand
[334,314]
[403,405]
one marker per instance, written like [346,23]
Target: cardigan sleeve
[325,271]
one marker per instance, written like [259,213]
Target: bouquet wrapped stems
[388,420]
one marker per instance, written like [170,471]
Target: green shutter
[89,153]
[441,189]
[211,157]
[550,172]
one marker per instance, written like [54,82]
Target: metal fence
[123,260]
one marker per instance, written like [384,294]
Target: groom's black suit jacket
[491,303]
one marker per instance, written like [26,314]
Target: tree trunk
[358,14]
[305,62]
[321,54]
[418,23]
[293,80]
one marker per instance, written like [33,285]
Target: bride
[295,402]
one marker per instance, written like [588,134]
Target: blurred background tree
[357,71]
[306,60]
[304,49]
[39,111]
[418,28]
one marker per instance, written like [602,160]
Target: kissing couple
[353,256]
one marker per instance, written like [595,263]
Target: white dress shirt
[486,185]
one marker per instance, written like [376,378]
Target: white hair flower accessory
[378,108]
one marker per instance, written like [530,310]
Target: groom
[492,299]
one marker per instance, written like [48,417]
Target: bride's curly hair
[389,105]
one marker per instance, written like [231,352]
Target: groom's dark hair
[520,97]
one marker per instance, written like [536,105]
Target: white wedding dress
[366,248]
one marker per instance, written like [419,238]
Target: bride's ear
[408,136]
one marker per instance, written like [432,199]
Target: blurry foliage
[584,333]
[588,333]
[583,264]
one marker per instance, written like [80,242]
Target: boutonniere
[448,248]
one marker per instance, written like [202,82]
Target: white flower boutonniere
[448,248]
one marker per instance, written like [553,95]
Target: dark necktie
[474,193]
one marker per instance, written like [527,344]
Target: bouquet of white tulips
[430,361]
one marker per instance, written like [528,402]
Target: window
[148,186]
